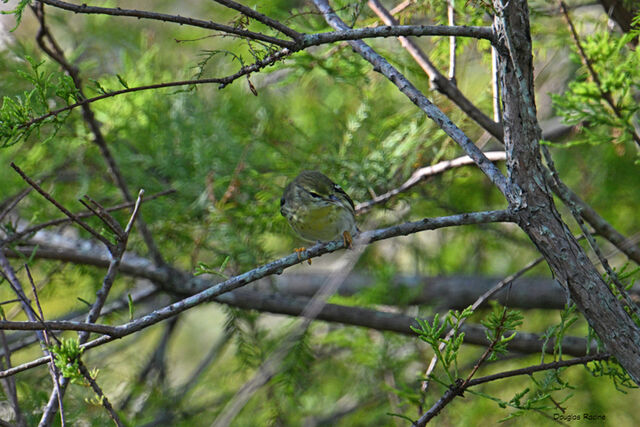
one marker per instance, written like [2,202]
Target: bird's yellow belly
[324,224]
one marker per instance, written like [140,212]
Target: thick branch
[523,342]
[345,33]
[535,210]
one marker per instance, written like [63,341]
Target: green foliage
[557,332]
[501,320]
[617,67]
[17,113]
[614,372]
[228,155]
[67,359]
[17,12]
[434,335]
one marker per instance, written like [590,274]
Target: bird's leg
[347,239]
[299,251]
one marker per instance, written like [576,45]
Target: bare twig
[424,173]
[55,373]
[436,78]
[59,325]
[451,16]
[13,202]
[401,7]
[64,210]
[276,25]
[406,87]
[143,14]
[103,292]
[30,230]
[104,401]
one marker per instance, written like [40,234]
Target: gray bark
[532,203]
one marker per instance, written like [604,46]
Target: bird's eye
[316,195]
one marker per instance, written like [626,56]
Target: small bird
[318,209]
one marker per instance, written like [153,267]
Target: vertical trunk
[532,202]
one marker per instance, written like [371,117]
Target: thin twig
[104,401]
[64,210]
[481,300]
[143,14]
[458,389]
[421,174]
[436,78]
[451,16]
[59,325]
[276,25]
[55,373]
[14,202]
[101,213]
[30,230]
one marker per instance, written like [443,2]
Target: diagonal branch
[251,13]
[64,210]
[459,390]
[424,173]
[50,46]
[381,65]
[437,79]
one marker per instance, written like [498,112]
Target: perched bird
[318,209]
